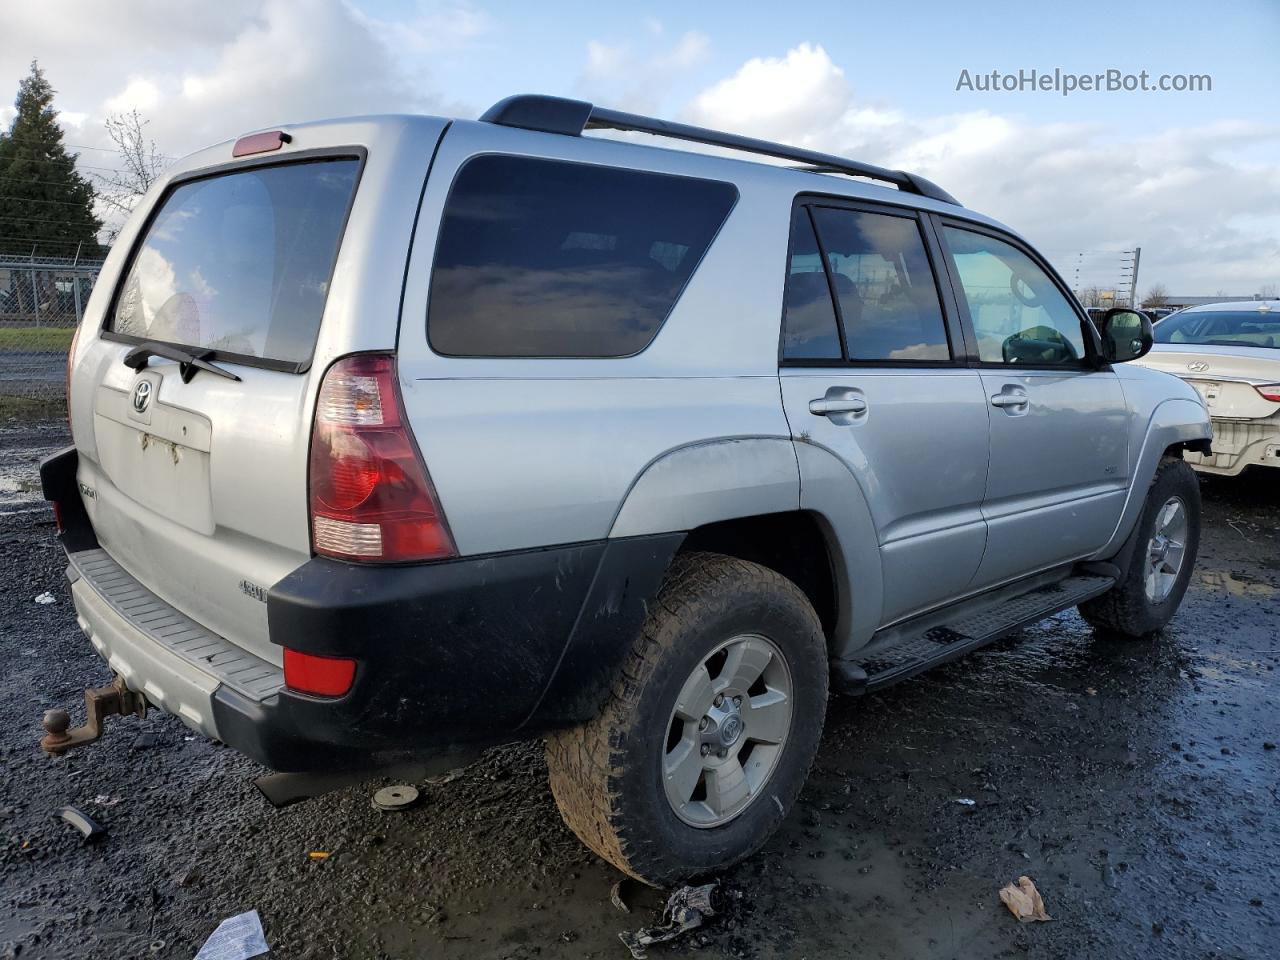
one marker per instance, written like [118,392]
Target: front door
[870,374]
[1059,426]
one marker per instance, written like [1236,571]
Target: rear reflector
[260,143]
[1270,391]
[371,497]
[318,676]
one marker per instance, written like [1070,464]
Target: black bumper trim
[470,651]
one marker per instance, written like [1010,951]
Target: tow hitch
[99,703]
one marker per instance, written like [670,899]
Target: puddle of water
[1236,584]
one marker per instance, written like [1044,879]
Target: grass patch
[36,339]
[31,408]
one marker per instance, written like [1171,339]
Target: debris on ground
[965,801]
[393,799]
[449,777]
[237,938]
[1024,901]
[319,854]
[46,598]
[685,911]
[88,826]
[615,896]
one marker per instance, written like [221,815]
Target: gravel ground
[1136,782]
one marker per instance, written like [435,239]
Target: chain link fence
[42,300]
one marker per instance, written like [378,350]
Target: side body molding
[708,481]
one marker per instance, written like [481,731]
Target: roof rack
[561,115]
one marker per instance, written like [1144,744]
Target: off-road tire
[1125,608]
[606,774]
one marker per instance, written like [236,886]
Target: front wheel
[1147,596]
[710,730]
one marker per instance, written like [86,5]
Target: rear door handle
[1012,399]
[1008,400]
[825,407]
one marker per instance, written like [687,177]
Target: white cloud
[139,94]
[635,80]
[1205,218]
[207,72]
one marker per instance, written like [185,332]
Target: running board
[903,651]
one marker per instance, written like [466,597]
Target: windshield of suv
[240,263]
[1228,328]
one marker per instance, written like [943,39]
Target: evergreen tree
[44,202]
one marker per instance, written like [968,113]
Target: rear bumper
[1238,444]
[465,652]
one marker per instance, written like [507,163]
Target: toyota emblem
[141,395]
[1197,366]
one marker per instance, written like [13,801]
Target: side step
[903,651]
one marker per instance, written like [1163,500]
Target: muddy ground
[1136,782]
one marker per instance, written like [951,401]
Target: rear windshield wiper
[188,361]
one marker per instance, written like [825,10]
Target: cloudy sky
[1193,178]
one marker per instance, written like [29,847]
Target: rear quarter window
[545,258]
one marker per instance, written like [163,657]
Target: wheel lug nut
[737,701]
[706,749]
[719,701]
[704,723]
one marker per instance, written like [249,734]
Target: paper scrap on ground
[237,938]
[685,911]
[46,598]
[1024,901]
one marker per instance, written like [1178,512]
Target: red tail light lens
[1270,391]
[371,498]
[318,676]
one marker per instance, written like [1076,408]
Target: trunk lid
[197,484]
[1225,377]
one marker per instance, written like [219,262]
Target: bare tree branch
[1157,296]
[143,163]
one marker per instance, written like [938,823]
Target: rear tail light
[1270,391]
[318,676]
[371,498]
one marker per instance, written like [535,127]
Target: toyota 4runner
[394,434]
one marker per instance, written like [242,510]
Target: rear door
[873,369]
[1058,474]
[196,483]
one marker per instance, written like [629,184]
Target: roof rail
[532,111]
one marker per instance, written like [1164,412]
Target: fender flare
[1173,421]
[708,481]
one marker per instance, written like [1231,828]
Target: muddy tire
[1147,596]
[668,730]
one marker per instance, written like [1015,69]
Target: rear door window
[884,286]
[544,258]
[809,330]
[240,263]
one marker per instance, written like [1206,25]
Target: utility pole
[1133,282]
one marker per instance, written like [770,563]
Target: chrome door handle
[824,407]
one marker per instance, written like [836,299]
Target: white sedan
[1230,352]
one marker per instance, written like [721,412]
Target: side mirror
[1126,334]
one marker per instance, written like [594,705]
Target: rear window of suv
[545,258]
[239,263]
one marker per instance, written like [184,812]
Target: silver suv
[399,433]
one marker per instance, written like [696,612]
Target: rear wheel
[1148,595]
[710,730]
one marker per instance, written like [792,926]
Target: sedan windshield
[1228,328]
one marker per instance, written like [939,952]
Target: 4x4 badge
[141,395]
